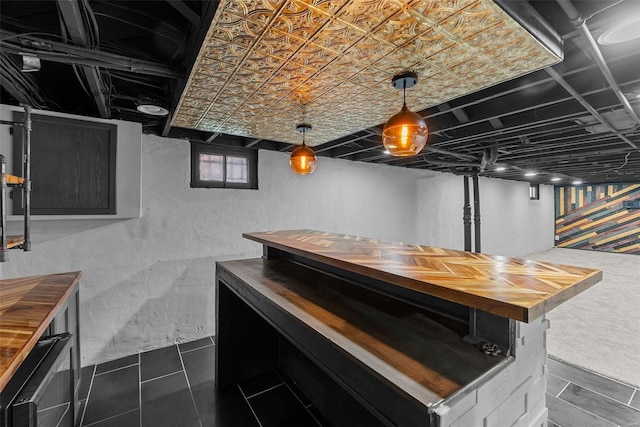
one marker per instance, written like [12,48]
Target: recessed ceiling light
[556,178]
[621,33]
[577,182]
[500,169]
[530,174]
[154,110]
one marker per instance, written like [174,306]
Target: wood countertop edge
[19,357]
[564,295]
[501,308]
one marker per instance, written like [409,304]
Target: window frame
[252,166]
[534,191]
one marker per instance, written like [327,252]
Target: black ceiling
[101,57]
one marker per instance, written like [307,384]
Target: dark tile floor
[580,398]
[173,387]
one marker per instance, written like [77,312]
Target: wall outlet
[557,237]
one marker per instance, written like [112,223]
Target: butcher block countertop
[27,306]
[510,287]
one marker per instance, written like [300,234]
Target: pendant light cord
[404,92]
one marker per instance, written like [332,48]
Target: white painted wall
[128,154]
[511,223]
[148,282]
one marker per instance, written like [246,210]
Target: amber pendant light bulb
[303,161]
[405,133]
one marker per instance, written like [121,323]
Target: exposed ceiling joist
[76,26]
[186,11]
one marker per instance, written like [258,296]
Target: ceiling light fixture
[405,133]
[530,174]
[621,33]
[303,160]
[500,169]
[577,182]
[556,179]
[152,109]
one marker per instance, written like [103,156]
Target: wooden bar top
[510,287]
[27,306]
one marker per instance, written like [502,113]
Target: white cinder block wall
[148,282]
[511,223]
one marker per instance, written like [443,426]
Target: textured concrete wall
[511,223]
[148,281]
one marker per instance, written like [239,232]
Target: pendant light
[405,133]
[303,161]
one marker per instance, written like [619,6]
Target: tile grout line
[109,418]
[116,369]
[194,349]
[588,412]
[607,397]
[264,391]
[140,386]
[160,377]
[592,390]
[590,372]
[563,388]
[631,398]
[69,407]
[249,404]
[299,400]
[189,384]
[86,403]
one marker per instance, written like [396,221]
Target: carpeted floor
[599,329]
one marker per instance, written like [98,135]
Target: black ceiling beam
[562,82]
[194,40]
[458,112]
[364,146]
[344,141]
[533,117]
[185,11]
[77,55]
[75,24]
[211,137]
[519,86]
[253,143]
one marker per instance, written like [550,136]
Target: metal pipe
[466,215]
[580,23]
[3,209]
[476,213]
[26,189]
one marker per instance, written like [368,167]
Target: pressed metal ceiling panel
[267,65]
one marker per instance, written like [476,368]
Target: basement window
[215,166]
[534,191]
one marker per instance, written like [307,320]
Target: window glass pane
[237,169]
[211,167]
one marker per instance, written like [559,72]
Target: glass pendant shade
[303,161]
[405,133]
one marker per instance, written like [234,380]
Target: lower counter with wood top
[372,350]
[40,350]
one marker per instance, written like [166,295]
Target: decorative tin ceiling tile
[267,65]
[338,36]
[299,20]
[367,14]
[402,27]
